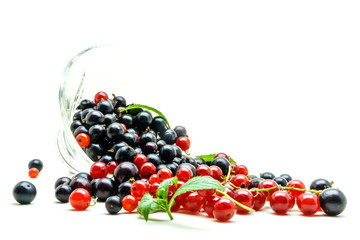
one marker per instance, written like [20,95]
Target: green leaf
[197,183]
[148,108]
[210,157]
[163,189]
[148,205]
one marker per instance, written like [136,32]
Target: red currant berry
[203,170]
[147,169]
[280,202]
[259,200]
[154,179]
[83,140]
[244,197]
[99,96]
[193,202]
[130,203]
[184,174]
[216,172]
[111,166]
[139,188]
[209,205]
[139,160]
[296,184]
[240,180]
[33,172]
[153,189]
[224,155]
[268,183]
[164,173]
[98,170]
[224,209]
[240,169]
[205,193]
[292,200]
[80,199]
[308,203]
[183,143]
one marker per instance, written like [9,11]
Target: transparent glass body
[98,68]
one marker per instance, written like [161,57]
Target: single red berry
[240,169]
[280,202]
[111,166]
[33,172]
[259,199]
[139,160]
[203,170]
[130,203]
[164,173]
[184,174]
[224,209]
[292,200]
[153,188]
[205,193]
[147,169]
[183,143]
[240,180]
[83,140]
[209,204]
[216,172]
[80,199]
[224,155]
[296,184]
[193,202]
[98,170]
[308,203]
[244,197]
[268,183]
[99,96]
[154,179]
[139,188]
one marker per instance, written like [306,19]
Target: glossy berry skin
[33,172]
[280,202]
[98,170]
[216,172]
[125,154]
[36,163]
[224,210]
[24,192]
[62,193]
[123,189]
[193,202]
[113,204]
[240,169]
[105,107]
[184,174]
[130,203]
[221,154]
[308,203]
[240,180]
[153,189]
[80,199]
[203,170]
[154,179]
[62,180]
[245,197]
[222,163]
[80,182]
[147,169]
[94,117]
[332,201]
[126,170]
[115,131]
[164,173]
[99,96]
[267,175]
[320,184]
[296,184]
[259,200]
[209,204]
[268,183]
[167,153]
[139,188]
[183,143]
[281,181]
[104,188]
[169,136]
[111,166]
[139,160]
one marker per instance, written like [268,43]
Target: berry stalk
[236,202]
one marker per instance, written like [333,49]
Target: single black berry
[94,117]
[167,153]
[222,163]
[126,170]
[62,193]
[169,136]
[24,192]
[115,131]
[126,153]
[113,204]
[320,184]
[105,106]
[104,188]
[267,175]
[332,201]
[36,163]
[62,180]
[281,181]
[180,131]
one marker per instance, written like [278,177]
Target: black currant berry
[84,113]
[143,120]
[84,175]
[74,125]
[36,163]
[124,189]
[77,116]
[146,137]
[97,132]
[167,153]
[180,131]
[126,153]
[190,166]
[94,151]
[150,147]
[130,139]
[267,175]
[94,117]
[255,182]
[173,167]
[109,119]
[281,181]
[128,120]
[332,201]
[24,192]
[199,161]
[154,159]
[105,107]
[80,182]
[222,163]
[116,147]
[104,188]
[62,180]
[62,193]
[160,144]
[320,184]
[187,159]
[159,125]
[119,101]
[169,136]
[126,170]
[115,131]
[286,176]
[80,129]
[84,104]
[113,204]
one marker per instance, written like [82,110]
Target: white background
[275,84]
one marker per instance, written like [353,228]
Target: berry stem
[282,188]
[236,202]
